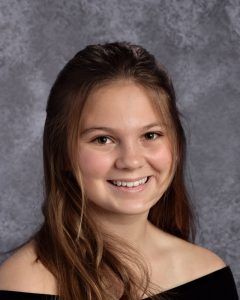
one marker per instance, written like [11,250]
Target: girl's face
[124,153]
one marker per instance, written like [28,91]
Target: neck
[134,229]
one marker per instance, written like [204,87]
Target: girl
[118,221]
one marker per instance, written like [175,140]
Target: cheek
[161,158]
[93,164]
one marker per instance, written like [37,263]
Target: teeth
[130,183]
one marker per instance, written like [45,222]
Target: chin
[130,209]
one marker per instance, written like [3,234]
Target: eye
[152,135]
[102,140]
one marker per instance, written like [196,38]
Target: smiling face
[125,155]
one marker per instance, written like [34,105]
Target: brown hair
[85,260]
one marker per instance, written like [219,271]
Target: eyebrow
[103,128]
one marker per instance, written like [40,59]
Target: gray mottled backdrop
[198,41]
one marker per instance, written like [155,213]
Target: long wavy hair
[88,263]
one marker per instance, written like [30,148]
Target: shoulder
[22,272]
[177,261]
[193,261]
[202,259]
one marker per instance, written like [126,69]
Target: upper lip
[128,179]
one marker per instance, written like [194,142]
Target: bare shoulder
[21,272]
[203,259]
[177,261]
[194,261]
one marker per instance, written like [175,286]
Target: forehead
[122,103]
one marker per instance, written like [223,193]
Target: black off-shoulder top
[217,285]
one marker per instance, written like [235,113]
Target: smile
[129,184]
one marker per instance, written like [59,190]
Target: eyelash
[97,139]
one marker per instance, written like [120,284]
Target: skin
[133,144]
[128,152]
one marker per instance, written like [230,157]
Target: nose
[129,157]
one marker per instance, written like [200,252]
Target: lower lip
[133,189]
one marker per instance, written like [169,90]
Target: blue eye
[102,140]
